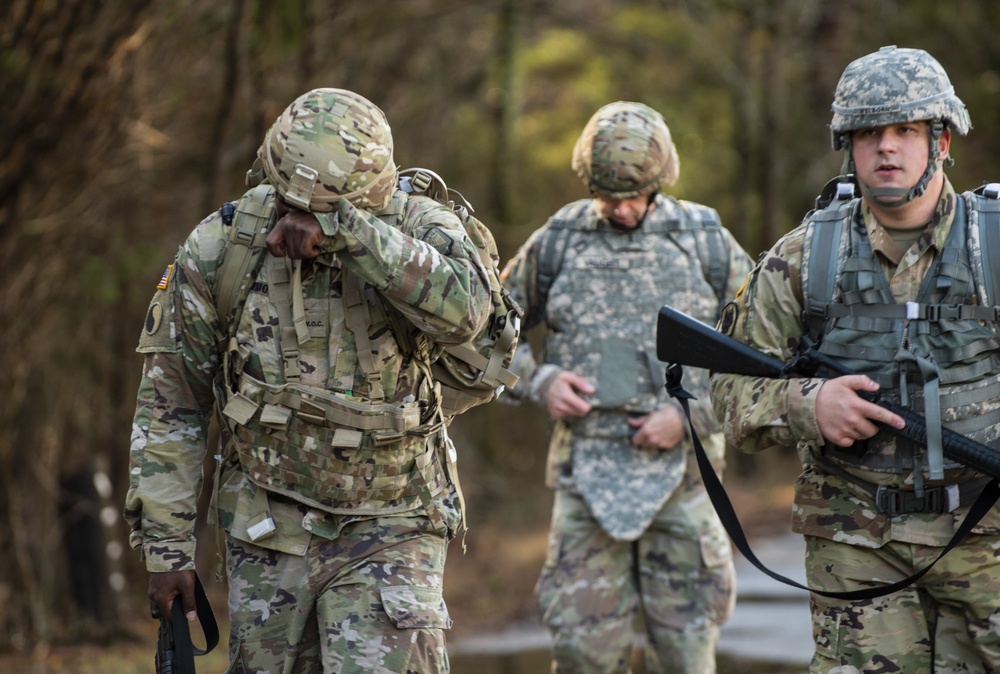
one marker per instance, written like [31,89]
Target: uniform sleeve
[173,408]
[759,413]
[435,278]
[740,266]
[520,277]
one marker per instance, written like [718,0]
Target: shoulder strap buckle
[989,190]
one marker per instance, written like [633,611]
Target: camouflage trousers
[947,622]
[368,601]
[677,579]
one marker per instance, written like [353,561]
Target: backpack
[468,374]
[714,256]
[476,372]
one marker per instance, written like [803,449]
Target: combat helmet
[329,144]
[894,86]
[625,151]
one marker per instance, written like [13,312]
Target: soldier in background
[334,485]
[633,533]
[894,285]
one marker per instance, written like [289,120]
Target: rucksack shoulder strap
[985,200]
[252,218]
[552,245]
[822,262]
[714,256]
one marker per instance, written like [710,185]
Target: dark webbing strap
[184,648]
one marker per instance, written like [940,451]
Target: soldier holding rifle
[895,285]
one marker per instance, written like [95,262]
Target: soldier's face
[893,155]
[625,212]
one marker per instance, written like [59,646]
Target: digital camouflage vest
[603,295]
[938,355]
[603,289]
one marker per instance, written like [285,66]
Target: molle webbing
[357,318]
[937,355]
[326,408]
[285,292]
[333,451]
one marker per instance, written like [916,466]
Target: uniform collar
[935,233]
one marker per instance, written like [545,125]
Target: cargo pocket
[413,607]
[547,586]
[715,548]
[717,557]
[826,635]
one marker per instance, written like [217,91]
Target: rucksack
[468,374]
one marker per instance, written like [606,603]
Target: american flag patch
[165,279]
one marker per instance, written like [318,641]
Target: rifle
[175,650]
[683,340]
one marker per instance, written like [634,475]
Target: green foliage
[127,122]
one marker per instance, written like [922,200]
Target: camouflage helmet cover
[625,151]
[330,144]
[894,86]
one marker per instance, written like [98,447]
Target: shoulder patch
[165,279]
[154,318]
[440,239]
[157,335]
[728,320]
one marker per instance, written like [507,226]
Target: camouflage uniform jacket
[599,321]
[759,414]
[432,279]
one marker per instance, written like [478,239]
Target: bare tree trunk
[508,108]
[217,136]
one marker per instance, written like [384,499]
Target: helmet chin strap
[895,197]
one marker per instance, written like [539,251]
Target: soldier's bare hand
[163,587]
[662,429]
[297,234]
[844,417]
[563,397]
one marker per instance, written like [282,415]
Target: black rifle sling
[184,648]
[727,514]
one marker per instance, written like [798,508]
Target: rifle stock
[683,340]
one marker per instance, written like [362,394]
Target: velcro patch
[730,314]
[154,318]
[440,239]
[165,279]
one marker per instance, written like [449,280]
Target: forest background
[125,122]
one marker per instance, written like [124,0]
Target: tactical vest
[349,452]
[938,355]
[603,300]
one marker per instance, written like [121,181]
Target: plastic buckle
[894,502]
